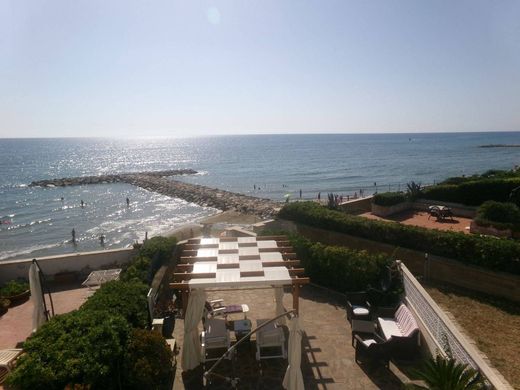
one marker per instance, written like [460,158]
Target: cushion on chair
[369,342]
[389,327]
[360,310]
[403,324]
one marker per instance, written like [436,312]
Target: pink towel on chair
[230,309]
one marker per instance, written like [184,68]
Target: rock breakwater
[103,179]
[159,182]
[206,196]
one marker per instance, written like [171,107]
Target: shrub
[491,253]
[14,287]
[159,250]
[499,215]
[474,192]
[138,270]
[148,361]
[339,268]
[389,198]
[81,347]
[125,298]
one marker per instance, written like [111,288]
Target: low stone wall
[489,230]
[70,266]
[385,211]
[355,206]
[435,268]
[456,208]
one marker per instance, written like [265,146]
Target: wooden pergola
[238,263]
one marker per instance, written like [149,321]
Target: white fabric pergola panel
[271,256]
[209,241]
[244,266]
[271,244]
[248,251]
[231,277]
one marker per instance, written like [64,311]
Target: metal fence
[446,336]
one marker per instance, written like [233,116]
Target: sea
[38,221]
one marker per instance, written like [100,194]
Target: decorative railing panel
[446,336]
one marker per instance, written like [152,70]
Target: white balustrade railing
[448,340]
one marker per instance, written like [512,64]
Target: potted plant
[447,374]
[16,291]
[4,305]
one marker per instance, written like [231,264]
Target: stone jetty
[159,181]
[103,179]
[206,196]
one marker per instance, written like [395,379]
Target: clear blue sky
[186,68]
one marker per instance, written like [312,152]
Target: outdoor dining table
[440,212]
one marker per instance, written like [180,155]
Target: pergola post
[296,297]
[185,296]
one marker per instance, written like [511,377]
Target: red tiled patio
[16,324]
[327,354]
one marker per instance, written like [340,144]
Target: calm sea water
[39,223]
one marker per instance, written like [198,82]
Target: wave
[25,251]
[32,223]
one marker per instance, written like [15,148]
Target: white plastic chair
[270,341]
[215,336]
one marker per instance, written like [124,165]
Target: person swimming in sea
[82,203]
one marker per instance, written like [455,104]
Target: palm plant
[332,201]
[414,190]
[447,374]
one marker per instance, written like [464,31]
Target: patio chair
[270,341]
[374,348]
[7,360]
[358,307]
[214,336]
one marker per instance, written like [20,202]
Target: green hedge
[499,215]
[148,363]
[127,299]
[154,253]
[81,347]
[95,345]
[339,268]
[389,198]
[474,192]
[491,253]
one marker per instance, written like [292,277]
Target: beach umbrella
[191,350]
[278,297]
[293,379]
[38,317]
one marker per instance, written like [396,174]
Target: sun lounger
[7,360]
[215,336]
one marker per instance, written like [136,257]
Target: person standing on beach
[102,240]
[319,196]
[300,193]
[73,236]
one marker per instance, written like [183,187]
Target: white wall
[81,263]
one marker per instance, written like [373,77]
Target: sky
[127,68]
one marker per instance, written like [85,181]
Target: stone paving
[16,324]
[327,354]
